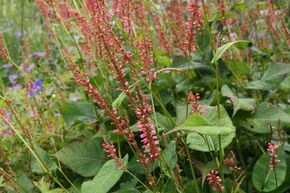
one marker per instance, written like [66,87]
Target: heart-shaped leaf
[106,178]
[78,111]
[267,114]
[209,123]
[272,77]
[83,158]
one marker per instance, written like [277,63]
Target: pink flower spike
[272,148]
[215,180]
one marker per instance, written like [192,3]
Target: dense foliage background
[144,96]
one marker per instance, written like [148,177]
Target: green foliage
[209,123]
[107,177]
[81,111]
[85,158]
[267,114]
[169,157]
[271,78]
[47,161]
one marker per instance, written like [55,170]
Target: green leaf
[184,63]
[238,68]
[1,181]
[106,178]
[163,81]
[25,184]
[221,50]
[208,123]
[206,143]
[246,104]
[163,121]
[264,179]
[119,100]
[78,111]
[44,187]
[128,187]
[181,113]
[84,158]
[264,115]
[169,156]
[272,77]
[45,157]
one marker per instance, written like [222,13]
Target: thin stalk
[59,169]
[217,72]
[196,187]
[138,180]
[221,157]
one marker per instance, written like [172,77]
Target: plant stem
[221,158]
[191,168]
[138,180]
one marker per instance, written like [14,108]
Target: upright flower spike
[177,24]
[194,23]
[148,136]
[110,149]
[145,47]
[272,148]
[3,49]
[161,34]
[193,101]
[215,180]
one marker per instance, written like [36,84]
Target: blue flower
[36,88]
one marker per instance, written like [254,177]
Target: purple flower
[9,132]
[10,24]
[7,66]
[74,98]
[19,34]
[12,78]
[57,114]
[30,67]
[36,88]
[38,54]
[15,87]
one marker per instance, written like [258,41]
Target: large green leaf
[272,77]
[208,123]
[264,115]
[266,180]
[106,178]
[78,111]
[46,159]
[208,143]
[84,158]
